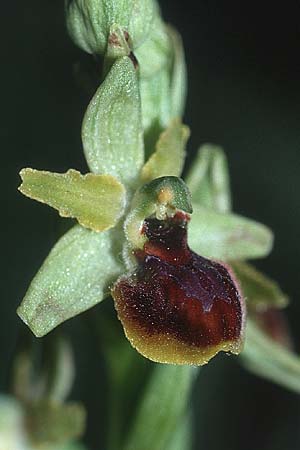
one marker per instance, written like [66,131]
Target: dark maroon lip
[175,292]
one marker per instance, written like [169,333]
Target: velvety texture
[178,307]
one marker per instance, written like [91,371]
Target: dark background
[244,94]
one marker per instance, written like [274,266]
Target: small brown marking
[113,40]
[134,60]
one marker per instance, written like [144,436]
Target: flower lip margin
[176,306]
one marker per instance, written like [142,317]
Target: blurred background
[244,94]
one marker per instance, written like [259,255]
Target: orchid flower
[170,253]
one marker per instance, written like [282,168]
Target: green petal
[227,236]
[96,201]
[260,291]
[112,132]
[266,358]
[162,406]
[89,21]
[168,159]
[208,179]
[74,277]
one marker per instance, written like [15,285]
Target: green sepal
[161,408]
[55,424]
[89,21]
[266,358]
[178,74]
[96,201]
[156,103]
[156,52]
[168,158]
[161,197]
[163,93]
[260,291]
[74,277]
[227,236]
[208,178]
[112,133]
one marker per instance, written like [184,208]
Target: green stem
[114,420]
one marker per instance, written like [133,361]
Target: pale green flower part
[208,178]
[96,201]
[260,290]
[169,156]
[75,276]
[89,21]
[112,133]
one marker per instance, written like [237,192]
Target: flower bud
[89,21]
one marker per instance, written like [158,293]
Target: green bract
[96,201]
[89,21]
[112,133]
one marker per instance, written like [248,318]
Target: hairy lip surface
[178,307]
